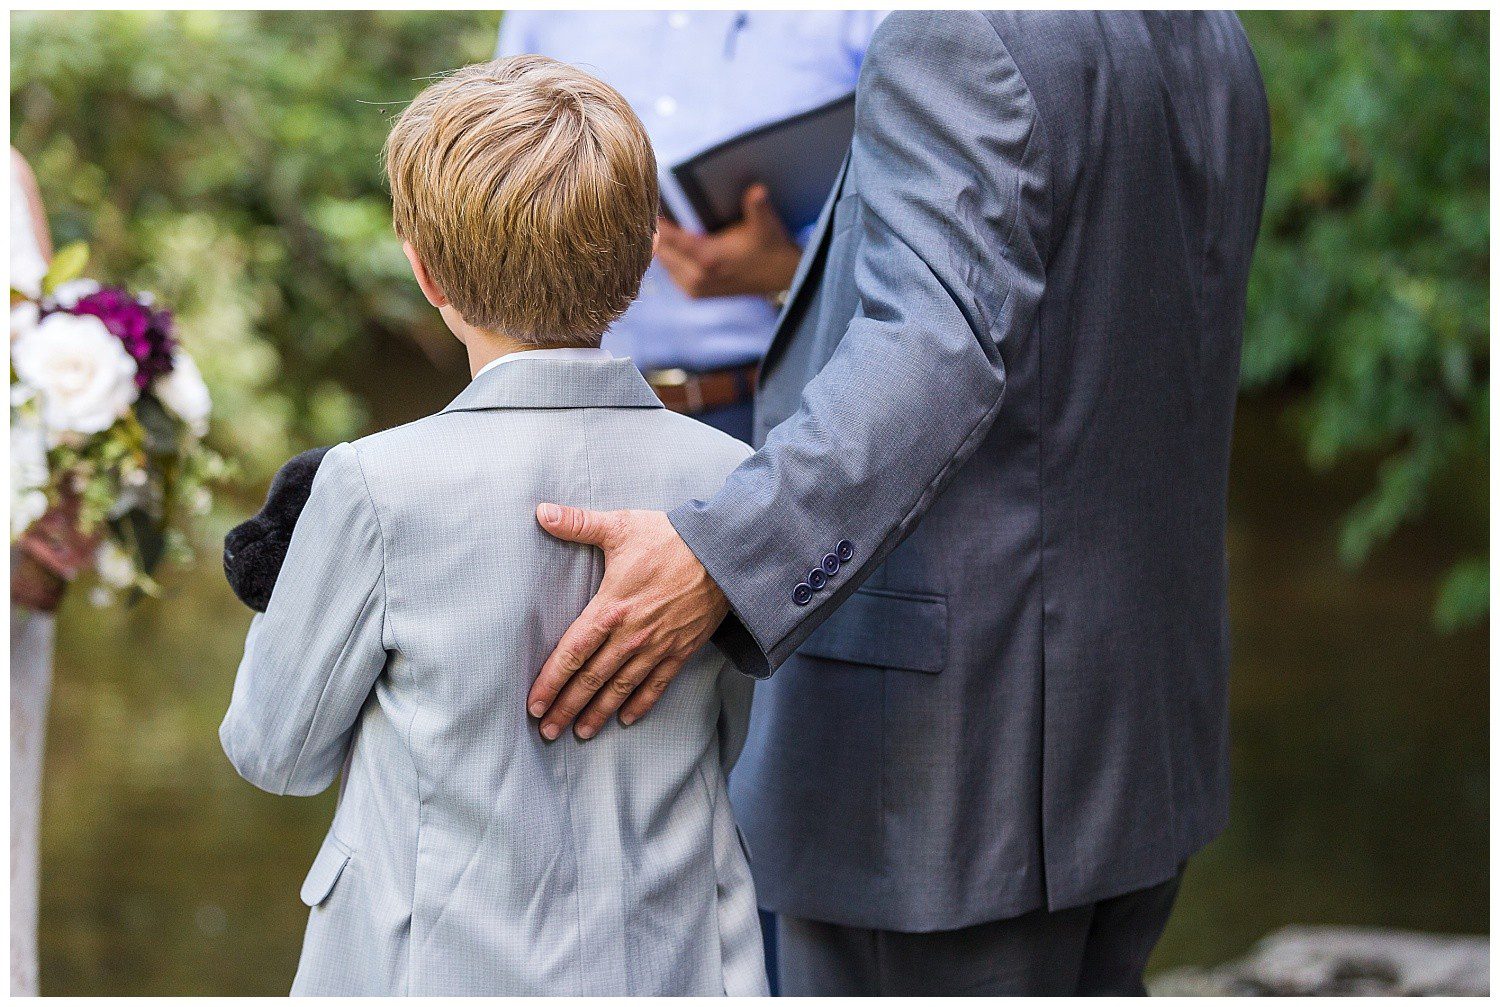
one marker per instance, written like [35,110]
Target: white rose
[114,565]
[183,392]
[68,294]
[85,378]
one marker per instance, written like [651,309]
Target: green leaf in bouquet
[144,537]
[162,432]
[66,265]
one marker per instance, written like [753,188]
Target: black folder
[796,158]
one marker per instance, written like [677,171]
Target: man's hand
[656,606]
[754,256]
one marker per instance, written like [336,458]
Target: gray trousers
[1099,949]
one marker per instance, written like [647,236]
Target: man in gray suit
[984,535]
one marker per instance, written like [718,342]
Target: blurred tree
[230,161]
[1369,300]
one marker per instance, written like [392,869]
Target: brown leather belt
[684,392]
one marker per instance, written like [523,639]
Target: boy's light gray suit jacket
[418,600]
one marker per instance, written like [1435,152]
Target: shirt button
[666,105]
[816,578]
[801,594]
[845,550]
[830,564]
[677,19]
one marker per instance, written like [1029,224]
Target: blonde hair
[528,189]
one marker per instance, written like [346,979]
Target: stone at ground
[1344,961]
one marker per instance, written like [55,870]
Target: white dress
[30,680]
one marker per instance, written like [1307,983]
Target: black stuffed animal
[255,550]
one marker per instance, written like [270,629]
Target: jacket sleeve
[313,656]
[954,204]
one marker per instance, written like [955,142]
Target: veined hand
[655,608]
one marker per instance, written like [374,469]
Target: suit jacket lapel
[809,270]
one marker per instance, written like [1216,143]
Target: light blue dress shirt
[695,78]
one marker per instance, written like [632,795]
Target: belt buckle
[671,377]
[676,377]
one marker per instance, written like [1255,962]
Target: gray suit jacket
[418,600]
[985,534]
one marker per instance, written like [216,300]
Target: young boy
[419,597]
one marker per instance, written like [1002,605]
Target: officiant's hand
[754,256]
[655,608]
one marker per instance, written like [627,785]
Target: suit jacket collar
[542,383]
[809,270]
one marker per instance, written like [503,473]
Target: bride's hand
[50,554]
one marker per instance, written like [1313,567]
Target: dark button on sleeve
[801,594]
[845,550]
[830,564]
[816,578]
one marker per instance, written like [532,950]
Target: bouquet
[107,419]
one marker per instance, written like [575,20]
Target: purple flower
[145,333]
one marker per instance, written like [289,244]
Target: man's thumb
[758,210]
[574,524]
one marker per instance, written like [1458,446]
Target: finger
[756,203]
[574,524]
[583,686]
[679,253]
[610,698]
[671,258]
[578,644]
[759,211]
[685,272]
[674,238]
[755,200]
[651,690]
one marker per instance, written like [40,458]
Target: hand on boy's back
[254,551]
[655,608]
[754,256]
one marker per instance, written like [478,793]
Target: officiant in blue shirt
[696,78]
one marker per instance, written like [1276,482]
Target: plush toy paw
[255,550]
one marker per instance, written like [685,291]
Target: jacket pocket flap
[325,871]
[885,629]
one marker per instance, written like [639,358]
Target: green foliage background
[1369,303]
[230,161]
